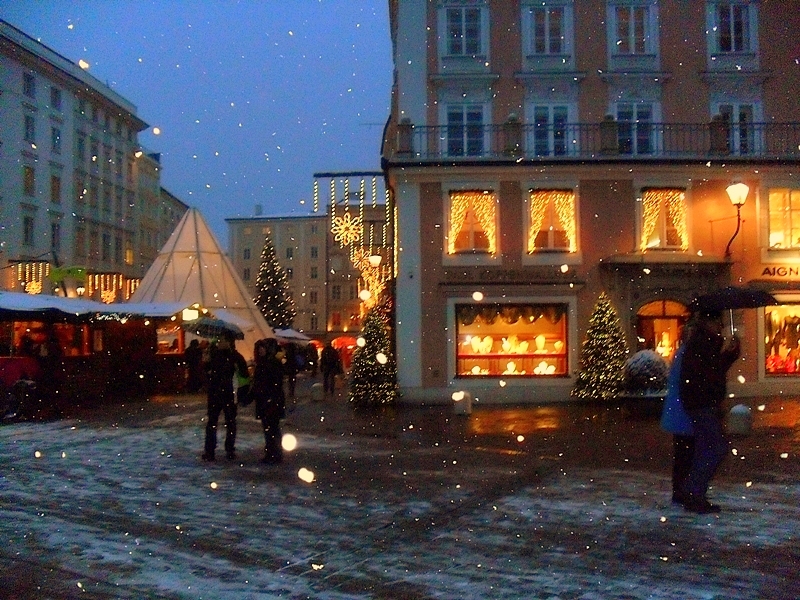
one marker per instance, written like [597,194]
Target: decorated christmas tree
[603,355]
[373,373]
[272,290]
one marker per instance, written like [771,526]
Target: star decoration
[346,229]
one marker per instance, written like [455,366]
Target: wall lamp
[737,192]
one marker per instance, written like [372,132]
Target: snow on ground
[127,510]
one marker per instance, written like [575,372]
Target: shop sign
[781,271]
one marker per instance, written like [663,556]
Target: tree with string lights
[373,372]
[272,290]
[603,355]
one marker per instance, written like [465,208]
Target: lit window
[552,221]
[784,218]
[780,336]
[511,340]
[664,219]
[473,222]
[336,319]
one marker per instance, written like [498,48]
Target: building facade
[541,153]
[81,205]
[318,251]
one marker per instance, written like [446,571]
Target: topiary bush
[645,372]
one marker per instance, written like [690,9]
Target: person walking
[223,363]
[703,382]
[330,363]
[676,421]
[266,389]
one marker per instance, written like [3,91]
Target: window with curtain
[473,222]
[552,221]
[784,218]
[664,219]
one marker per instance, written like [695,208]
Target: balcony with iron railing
[609,140]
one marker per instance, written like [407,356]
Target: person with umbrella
[707,356]
[223,363]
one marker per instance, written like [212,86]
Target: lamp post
[737,192]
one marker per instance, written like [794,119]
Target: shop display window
[782,339]
[511,340]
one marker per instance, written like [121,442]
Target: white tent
[192,268]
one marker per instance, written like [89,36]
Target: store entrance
[659,326]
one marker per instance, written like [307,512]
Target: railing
[609,139]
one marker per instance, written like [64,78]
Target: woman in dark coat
[266,389]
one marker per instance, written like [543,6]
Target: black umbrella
[209,327]
[733,297]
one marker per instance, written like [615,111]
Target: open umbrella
[209,327]
[734,297]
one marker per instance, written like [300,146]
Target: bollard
[462,403]
[740,420]
[317,392]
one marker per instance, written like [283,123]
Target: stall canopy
[192,268]
[15,305]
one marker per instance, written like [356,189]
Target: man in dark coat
[706,360]
[267,390]
[223,363]
[330,364]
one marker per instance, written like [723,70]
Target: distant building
[542,152]
[323,280]
[77,192]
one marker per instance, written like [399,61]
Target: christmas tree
[272,290]
[373,373]
[603,355]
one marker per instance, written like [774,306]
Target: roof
[19,304]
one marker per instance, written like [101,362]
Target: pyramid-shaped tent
[192,267]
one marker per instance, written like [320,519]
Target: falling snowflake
[346,229]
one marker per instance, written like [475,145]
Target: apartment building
[542,152]
[317,251]
[77,192]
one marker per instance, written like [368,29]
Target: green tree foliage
[373,373]
[603,355]
[272,290]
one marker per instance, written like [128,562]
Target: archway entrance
[659,326]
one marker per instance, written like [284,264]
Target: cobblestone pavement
[560,502]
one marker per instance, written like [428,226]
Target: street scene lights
[737,192]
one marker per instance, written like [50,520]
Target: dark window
[29,85]
[28,181]
[55,98]
[55,189]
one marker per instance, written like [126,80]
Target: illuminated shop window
[552,221]
[511,340]
[782,340]
[664,219]
[784,218]
[473,222]
[659,326]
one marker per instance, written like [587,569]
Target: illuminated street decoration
[564,204]
[482,205]
[653,202]
[346,229]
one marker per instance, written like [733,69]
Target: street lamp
[737,192]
